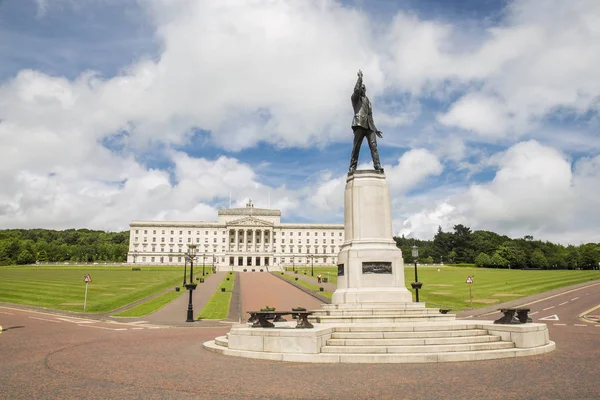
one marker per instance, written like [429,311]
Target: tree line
[490,250]
[27,246]
[462,246]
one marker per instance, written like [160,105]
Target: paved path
[259,289]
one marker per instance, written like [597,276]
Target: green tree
[497,261]
[538,259]
[483,260]
[512,253]
[25,258]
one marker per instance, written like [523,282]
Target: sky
[121,110]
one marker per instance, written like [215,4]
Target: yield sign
[549,318]
[87,278]
[469,280]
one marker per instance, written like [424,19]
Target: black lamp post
[312,267]
[416,284]
[191,253]
[203,257]
[134,254]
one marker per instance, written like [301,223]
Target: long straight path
[260,289]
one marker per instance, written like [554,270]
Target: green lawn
[218,305]
[326,272]
[491,286]
[310,286]
[150,306]
[447,287]
[62,288]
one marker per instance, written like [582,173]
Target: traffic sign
[469,280]
[87,278]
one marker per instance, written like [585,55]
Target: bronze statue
[363,125]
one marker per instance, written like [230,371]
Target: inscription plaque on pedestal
[376,267]
[340,269]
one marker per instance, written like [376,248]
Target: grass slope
[62,288]
[217,306]
[150,306]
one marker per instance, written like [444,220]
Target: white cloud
[282,72]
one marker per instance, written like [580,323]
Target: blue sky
[154,109]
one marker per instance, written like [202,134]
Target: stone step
[418,349]
[421,311]
[396,358]
[346,319]
[409,327]
[222,341]
[414,341]
[371,306]
[408,335]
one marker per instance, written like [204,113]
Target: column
[236,236]
[262,238]
[245,238]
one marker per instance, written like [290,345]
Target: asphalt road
[49,356]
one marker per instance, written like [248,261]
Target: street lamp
[203,257]
[312,267]
[134,254]
[191,253]
[416,284]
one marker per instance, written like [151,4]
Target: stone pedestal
[370,266]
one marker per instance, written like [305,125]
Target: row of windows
[189,240]
[282,260]
[316,249]
[137,232]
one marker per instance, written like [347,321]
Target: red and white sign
[87,278]
[469,280]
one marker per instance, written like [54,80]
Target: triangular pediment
[249,221]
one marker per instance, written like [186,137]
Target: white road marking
[579,325]
[44,319]
[103,327]
[597,326]
[559,324]
[533,313]
[547,308]
[138,322]
[549,318]
[78,321]
[575,298]
[562,304]
[7,313]
[136,329]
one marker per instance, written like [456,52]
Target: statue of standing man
[363,125]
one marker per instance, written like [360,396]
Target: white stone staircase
[425,342]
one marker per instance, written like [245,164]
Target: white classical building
[243,238]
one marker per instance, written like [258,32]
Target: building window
[144,259]
[189,232]
[154,249]
[215,240]
[137,231]
[145,240]
[181,232]
[170,259]
[223,240]
[172,232]
[291,233]
[282,240]
[206,232]
[197,240]
[197,232]
[162,240]
[170,250]
[189,240]
[154,232]
[171,240]
[178,259]
[152,259]
[180,240]
[340,234]
[215,232]
[323,233]
[331,241]
[145,231]
[316,234]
